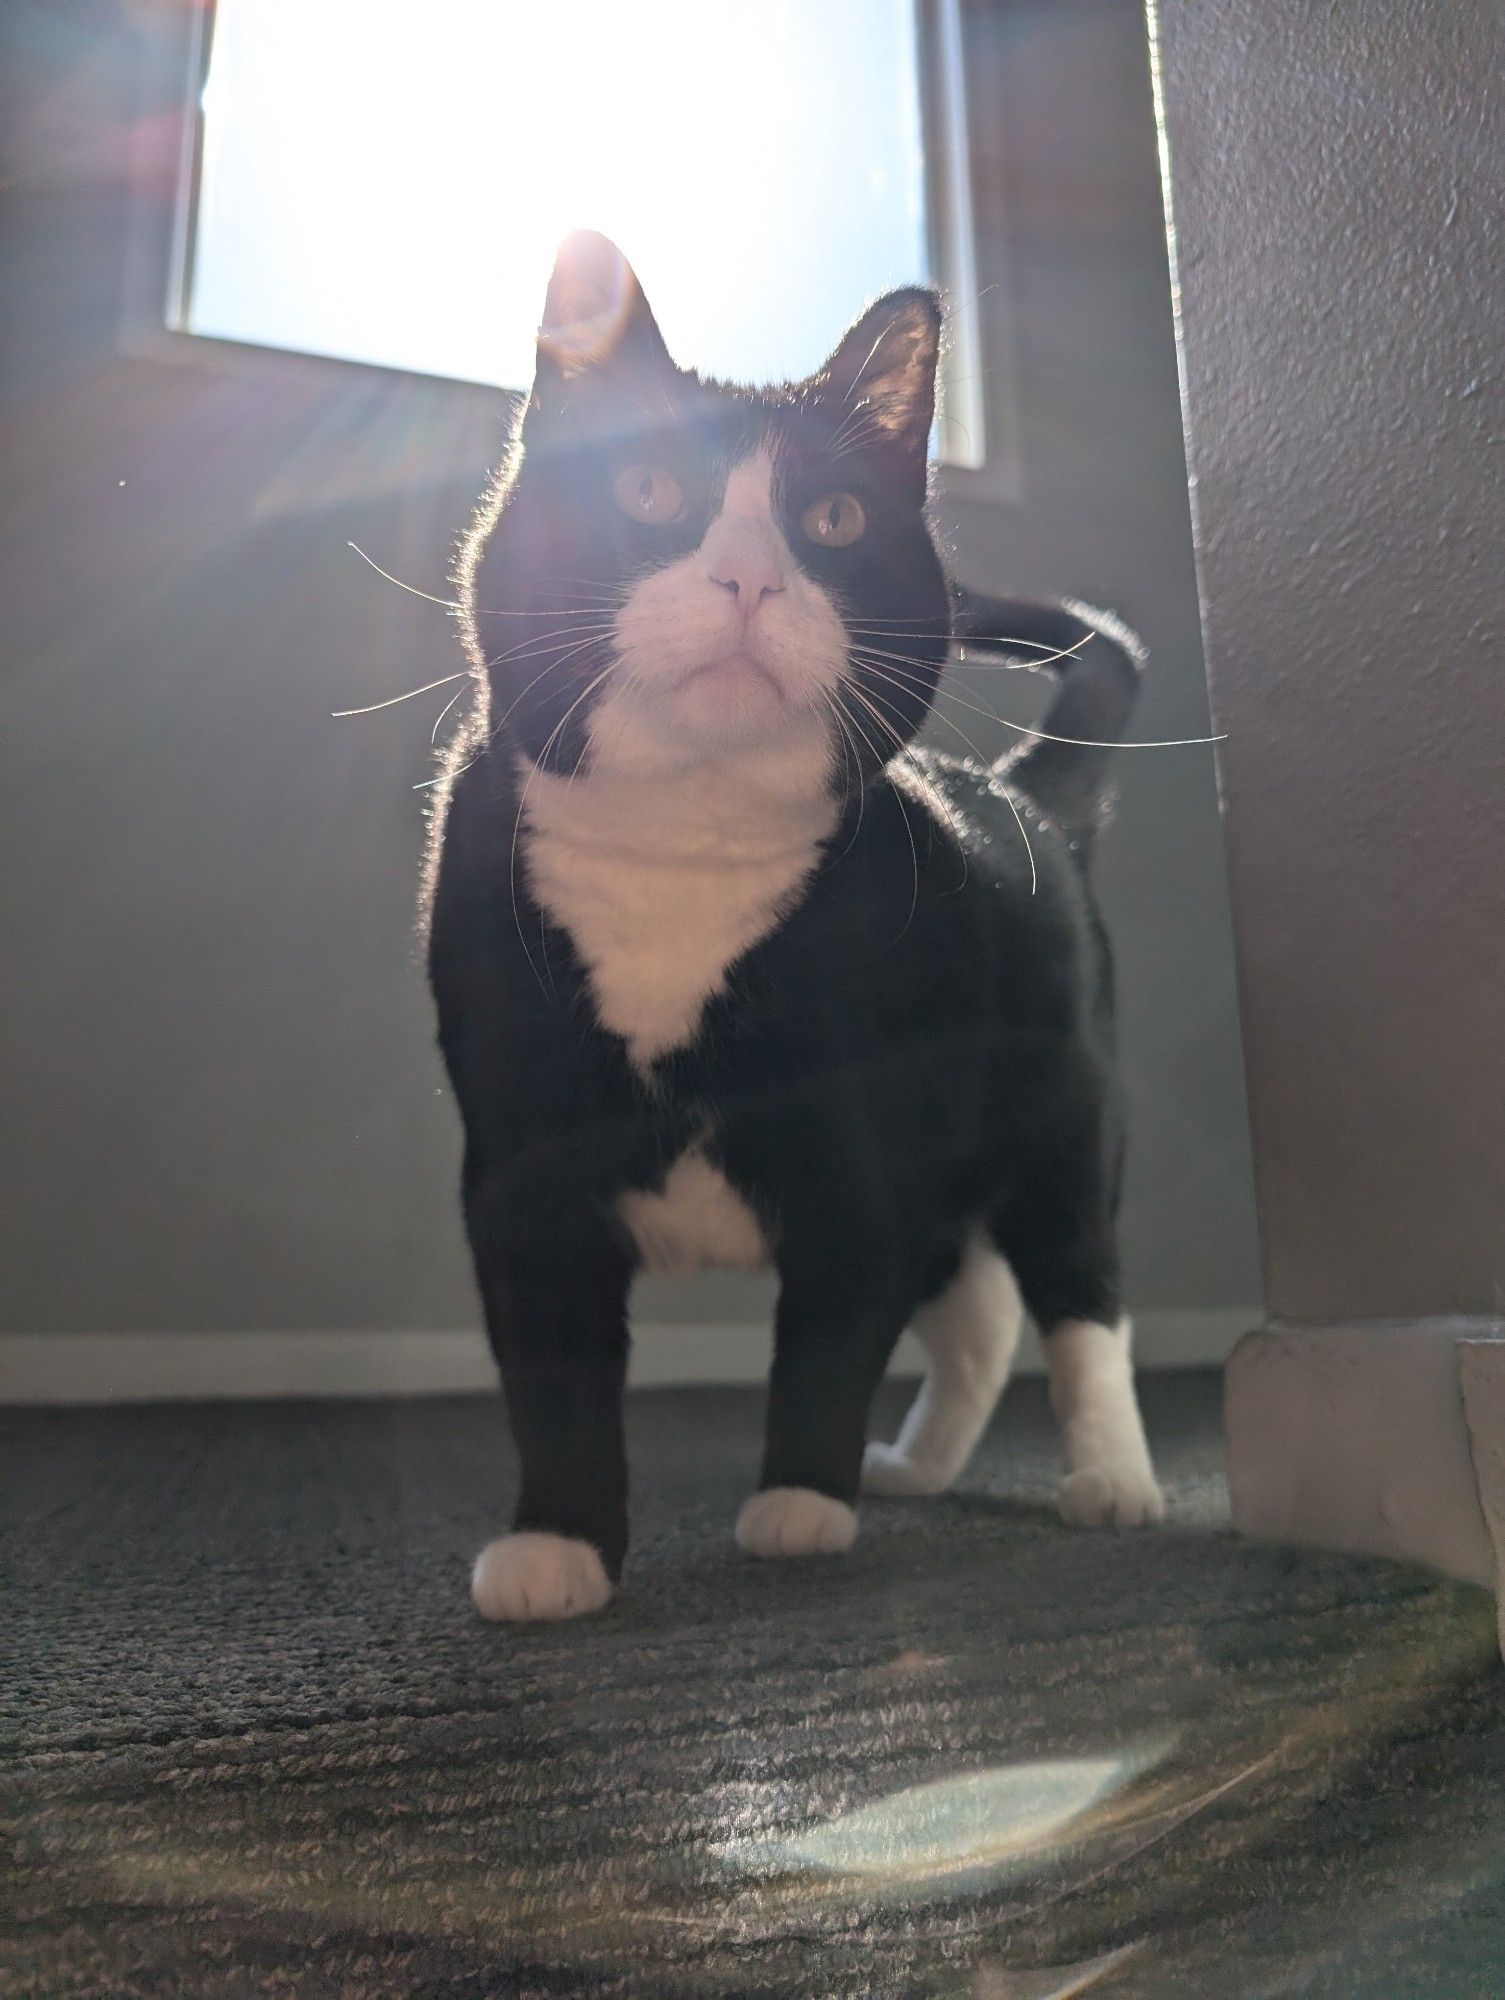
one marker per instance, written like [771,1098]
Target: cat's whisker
[859,736]
[604,602]
[1048,655]
[446,603]
[937,694]
[582,610]
[557,731]
[852,418]
[553,666]
[372,707]
[953,819]
[957,648]
[585,607]
[571,626]
[625,686]
[914,852]
[887,727]
[1111,743]
[571,653]
[900,662]
[852,762]
[445,777]
[922,687]
[924,618]
[1034,872]
[867,360]
[594,583]
[856,430]
[915,636]
[458,695]
[539,643]
[843,778]
[608,595]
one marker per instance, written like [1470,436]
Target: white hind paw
[533,1575]
[1111,1496]
[795,1521]
[893,1473]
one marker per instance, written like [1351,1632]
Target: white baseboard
[164,1367]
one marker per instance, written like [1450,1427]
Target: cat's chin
[737,678]
[721,709]
[730,701]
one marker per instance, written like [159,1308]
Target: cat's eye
[834,521]
[648,493]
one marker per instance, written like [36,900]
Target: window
[386,183]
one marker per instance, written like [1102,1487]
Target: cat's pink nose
[750,578]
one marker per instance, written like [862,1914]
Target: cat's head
[671,571]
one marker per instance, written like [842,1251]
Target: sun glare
[387,183]
[985,1820]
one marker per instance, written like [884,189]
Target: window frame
[977,435]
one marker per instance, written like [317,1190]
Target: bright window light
[386,183]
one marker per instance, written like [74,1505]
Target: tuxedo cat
[729,973]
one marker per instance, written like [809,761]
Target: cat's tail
[1098,661]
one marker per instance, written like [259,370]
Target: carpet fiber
[258,1744]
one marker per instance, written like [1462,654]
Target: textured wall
[222,1107]
[1336,177]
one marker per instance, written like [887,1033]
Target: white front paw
[534,1575]
[1118,1496]
[795,1521]
[891,1472]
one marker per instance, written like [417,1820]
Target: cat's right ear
[596,322]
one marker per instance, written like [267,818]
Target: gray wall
[222,1107]
[1336,174]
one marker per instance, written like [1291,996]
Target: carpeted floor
[259,1745]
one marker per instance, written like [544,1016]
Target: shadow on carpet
[258,1744]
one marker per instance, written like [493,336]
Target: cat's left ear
[596,320]
[885,368]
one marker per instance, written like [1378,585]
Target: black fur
[924,1042]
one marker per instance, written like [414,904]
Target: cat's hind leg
[970,1333]
[1110,1480]
[1061,1244]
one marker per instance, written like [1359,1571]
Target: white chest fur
[698,1220]
[664,879]
[664,882]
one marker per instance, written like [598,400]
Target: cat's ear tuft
[595,313]
[885,366]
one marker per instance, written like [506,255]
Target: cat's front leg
[845,1296]
[554,1283]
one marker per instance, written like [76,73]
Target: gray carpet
[258,1744]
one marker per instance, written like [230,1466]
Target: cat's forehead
[725,428]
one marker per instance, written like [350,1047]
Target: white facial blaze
[731,645]
[744,550]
